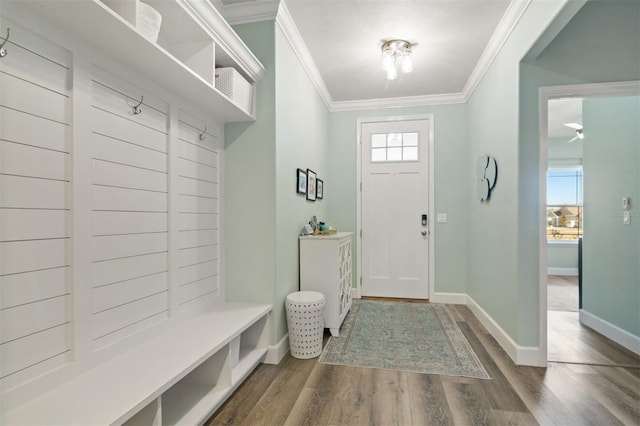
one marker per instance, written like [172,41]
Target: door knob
[424,232]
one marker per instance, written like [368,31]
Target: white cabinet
[325,266]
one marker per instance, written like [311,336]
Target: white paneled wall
[198,210]
[35,236]
[130,284]
[109,220]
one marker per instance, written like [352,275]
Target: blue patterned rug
[420,337]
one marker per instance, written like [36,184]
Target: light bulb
[392,73]
[388,61]
[407,64]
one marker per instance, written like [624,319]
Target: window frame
[564,168]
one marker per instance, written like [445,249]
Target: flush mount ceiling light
[394,52]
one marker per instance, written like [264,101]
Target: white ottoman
[305,317]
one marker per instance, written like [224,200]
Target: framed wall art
[319,189]
[301,181]
[311,185]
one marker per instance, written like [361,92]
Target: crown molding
[291,33]
[225,38]
[248,11]
[509,20]
[402,102]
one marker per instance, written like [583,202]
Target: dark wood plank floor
[305,392]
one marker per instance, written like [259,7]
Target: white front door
[395,203]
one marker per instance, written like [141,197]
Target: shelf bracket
[3,51]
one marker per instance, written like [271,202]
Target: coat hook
[135,109]
[203,135]
[3,51]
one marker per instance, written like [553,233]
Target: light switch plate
[442,218]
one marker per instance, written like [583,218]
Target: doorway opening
[584,278]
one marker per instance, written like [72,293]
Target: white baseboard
[610,331]
[521,355]
[278,351]
[450,298]
[354,293]
[571,272]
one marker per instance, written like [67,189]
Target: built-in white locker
[198,193]
[130,285]
[35,209]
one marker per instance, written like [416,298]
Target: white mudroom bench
[179,377]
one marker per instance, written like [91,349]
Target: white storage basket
[235,87]
[149,21]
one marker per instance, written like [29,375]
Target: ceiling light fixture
[394,51]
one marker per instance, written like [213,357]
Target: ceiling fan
[578,128]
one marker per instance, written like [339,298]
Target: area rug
[419,337]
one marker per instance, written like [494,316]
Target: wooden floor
[305,392]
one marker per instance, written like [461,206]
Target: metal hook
[3,51]
[203,135]
[135,110]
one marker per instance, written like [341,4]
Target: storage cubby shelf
[101,27]
[187,368]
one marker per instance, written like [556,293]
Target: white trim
[407,101]
[567,272]
[431,209]
[225,38]
[509,20]
[449,298]
[521,355]
[355,293]
[248,12]
[546,93]
[290,31]
[611,331]
[562,243]
[276,352]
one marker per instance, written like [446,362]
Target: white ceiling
[561,111]
[339,44]
[344,39]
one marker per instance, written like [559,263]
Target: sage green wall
[302,132]
[497,252]
[451,171]
[600,43]
[611,280]
[263,213]
[250,184]
[562,255]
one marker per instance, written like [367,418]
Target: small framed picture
[319,189]
[301,181]
[311,185]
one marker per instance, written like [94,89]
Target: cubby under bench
[179,377]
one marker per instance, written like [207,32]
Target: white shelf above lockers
[189,25]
